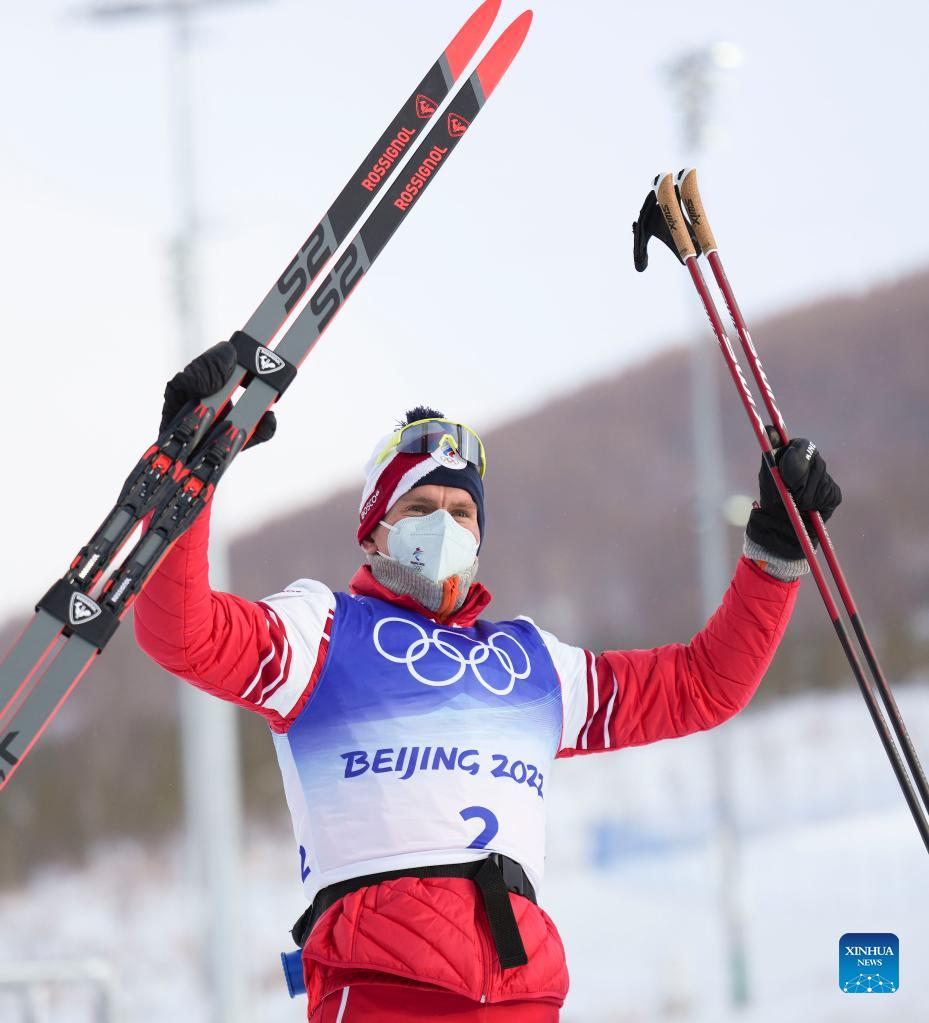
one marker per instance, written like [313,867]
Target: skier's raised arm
[632,697]
[251,653]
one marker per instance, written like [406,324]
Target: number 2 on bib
[491,824]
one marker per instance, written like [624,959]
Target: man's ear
[368,545]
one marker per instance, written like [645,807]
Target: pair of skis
[689,236]
[176,477]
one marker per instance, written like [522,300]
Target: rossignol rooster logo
[267,362]
[425,107]
[457,125]
[82,609]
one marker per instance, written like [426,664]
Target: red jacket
[433,931]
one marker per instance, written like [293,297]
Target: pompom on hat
[388,480]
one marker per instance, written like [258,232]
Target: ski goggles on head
[428,435]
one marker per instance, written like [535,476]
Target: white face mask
[434,545]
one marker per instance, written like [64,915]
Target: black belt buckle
[513,876]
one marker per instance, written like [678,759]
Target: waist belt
[494,876]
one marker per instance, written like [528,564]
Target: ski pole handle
[671,209]
[690,196]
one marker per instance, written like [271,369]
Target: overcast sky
[511,282]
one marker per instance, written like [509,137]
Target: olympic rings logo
[502,654]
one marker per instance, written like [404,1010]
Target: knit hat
[388,481]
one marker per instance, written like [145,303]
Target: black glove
[803,470]
[202,377]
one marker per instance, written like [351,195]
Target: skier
[415,737]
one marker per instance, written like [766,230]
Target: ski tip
[463,47]
[499,57]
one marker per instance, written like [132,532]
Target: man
[415,737]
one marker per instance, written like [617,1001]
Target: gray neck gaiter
[404,582]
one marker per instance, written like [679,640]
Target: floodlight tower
[209,732]
[693,78]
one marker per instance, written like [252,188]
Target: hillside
[588,500]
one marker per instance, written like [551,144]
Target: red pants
[391,1003]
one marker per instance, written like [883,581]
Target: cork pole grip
[696,214]
[674,218]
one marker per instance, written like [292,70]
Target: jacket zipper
[485,987]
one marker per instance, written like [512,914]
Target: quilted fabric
[431,932]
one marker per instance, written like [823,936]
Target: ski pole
[677,227]
[696,213]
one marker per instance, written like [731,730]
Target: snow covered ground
[826,846]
